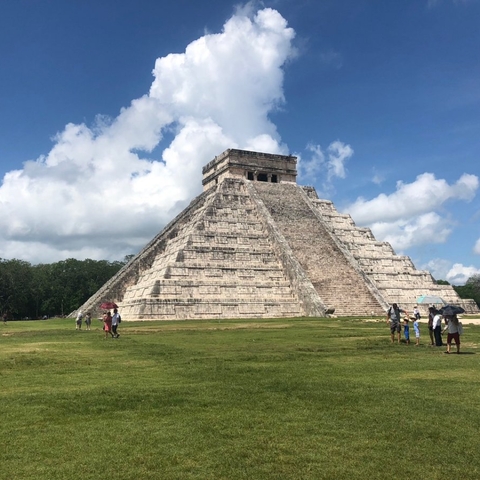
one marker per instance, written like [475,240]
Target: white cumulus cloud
[102,191]
[454,273]
[459,274]
[476,248]
[403,234]
[328,165]
[410,215]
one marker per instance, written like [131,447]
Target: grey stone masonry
[249,165]
[218,264]
[395,276]
[337,282]
[255,244]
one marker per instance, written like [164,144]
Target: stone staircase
[254,244]
[335,279]
[219,265]
[395,276]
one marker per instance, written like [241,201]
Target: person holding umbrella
[107,323]
[107,317]
[453,326]
[454,329]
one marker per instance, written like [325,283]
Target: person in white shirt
[116,319]
[431,314]
[453,327]
[78,321]
[437,329]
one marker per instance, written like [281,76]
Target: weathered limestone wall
[337,282]
[114,289]
[237,163]
[309,298]
[257,249]
[394,275]
[220,265]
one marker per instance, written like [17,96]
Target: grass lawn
[240,399]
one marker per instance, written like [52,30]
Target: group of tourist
[452,326]
[80,318]
[110,322]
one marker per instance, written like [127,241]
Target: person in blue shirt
[406,330]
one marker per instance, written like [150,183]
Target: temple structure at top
[254,166]
[255,244]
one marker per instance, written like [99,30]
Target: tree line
[47,290]
[57,289]
[471,289]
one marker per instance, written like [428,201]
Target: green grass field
[274,399]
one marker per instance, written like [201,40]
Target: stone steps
[257,249]
[181,309]
[395,276]
[222,265]
[336,281]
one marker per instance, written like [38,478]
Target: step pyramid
[255,244]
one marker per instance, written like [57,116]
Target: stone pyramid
[255,244]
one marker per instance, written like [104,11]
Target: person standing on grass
[78,321]
[88,320]
[454,330]
[406,330]
[437,329]
[431,314]
[4,318]
[416,328]
[394,319]
[107,323]
[116,319]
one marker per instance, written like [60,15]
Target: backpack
[119,318]
[397,313]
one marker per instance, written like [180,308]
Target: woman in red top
[107,323]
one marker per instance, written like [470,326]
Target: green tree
[16,288]
[471,289]
[474,282]
[50,289]
[40,289]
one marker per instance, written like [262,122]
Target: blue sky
[109,109]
